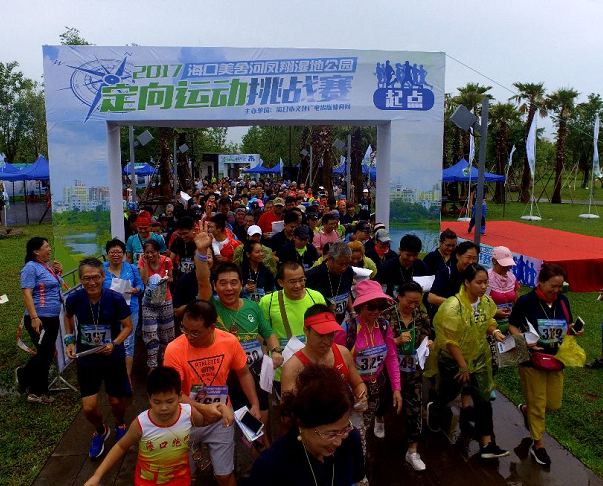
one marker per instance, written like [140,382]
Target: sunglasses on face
[374,307]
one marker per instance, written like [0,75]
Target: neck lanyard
[95,320]
[412,272]
[368,334]
[257,276]
[402,325]
[233,329]
[331,285]
[312,469]
[545,313]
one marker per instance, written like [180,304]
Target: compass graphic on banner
[89,79]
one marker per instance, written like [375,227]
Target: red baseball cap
[323,323]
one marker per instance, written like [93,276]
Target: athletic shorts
[220,442]
[238,397]
[114,375]
[131,339]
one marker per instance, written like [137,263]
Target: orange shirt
[205,367]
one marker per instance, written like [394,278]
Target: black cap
[363,226]
[302,232]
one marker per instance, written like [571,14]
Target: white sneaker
[414,459]
[379,429]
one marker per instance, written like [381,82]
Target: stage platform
[580,256]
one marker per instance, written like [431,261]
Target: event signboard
[91,90]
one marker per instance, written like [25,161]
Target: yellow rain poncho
[456,324]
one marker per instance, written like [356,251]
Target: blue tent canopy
[258,169]
[141,170]
[7,169]
[456,174]
[38,171]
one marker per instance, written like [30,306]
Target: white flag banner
[511,157]
[471,147]
[531,146]
[596,167]
[366,160]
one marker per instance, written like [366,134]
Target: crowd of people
[218,286]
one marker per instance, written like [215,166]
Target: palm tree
[561,102]
[501,116]
[530,100]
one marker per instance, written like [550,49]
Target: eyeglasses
[300,281]
[115,253]
[92,278]
[331,436]
[194,334]
[374,307]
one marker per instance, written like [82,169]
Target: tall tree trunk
[304,160]
[327,156]
[356,165]
[316,156]
[167,188]
[185,178]
[500,151]
[457,143]
[560,161]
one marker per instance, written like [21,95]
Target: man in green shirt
[241,317]
[285,308]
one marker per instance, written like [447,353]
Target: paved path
[451,459]
[17,215]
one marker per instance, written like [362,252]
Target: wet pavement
[452,459]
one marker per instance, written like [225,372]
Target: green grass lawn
[29,432]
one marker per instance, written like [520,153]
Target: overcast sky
[553,41]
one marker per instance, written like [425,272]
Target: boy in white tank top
[162,433]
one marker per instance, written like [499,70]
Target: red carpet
[580,256]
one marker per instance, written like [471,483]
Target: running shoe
[492,451]
[98,443]
[540,456]
[596,364]
[18,382]
[414,459]
[526,424]
[120,431]
[379,429]
[42,399]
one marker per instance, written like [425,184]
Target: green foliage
[72,37]
[22,116]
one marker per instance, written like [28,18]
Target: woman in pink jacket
[370,339]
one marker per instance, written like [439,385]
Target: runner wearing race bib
[135,243]
[370,339]
[103,324]
[333,278]
[410,326]
[204,356]
[182,250]
[243,319]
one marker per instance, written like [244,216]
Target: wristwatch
[278,350]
